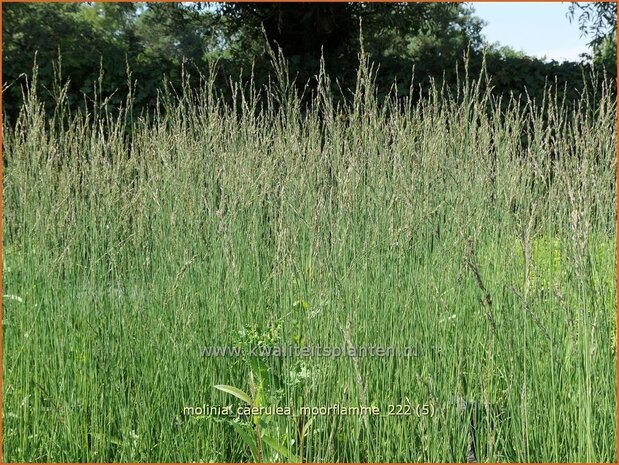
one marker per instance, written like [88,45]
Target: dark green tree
[156,40]
[431,36]
[46,31]
[598,21]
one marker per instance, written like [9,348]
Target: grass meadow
[474,236]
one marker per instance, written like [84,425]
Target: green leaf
[280,449]
[301,303]
[307,427]
[236,392]
[247,438]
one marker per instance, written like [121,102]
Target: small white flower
[449,318]
[13,297]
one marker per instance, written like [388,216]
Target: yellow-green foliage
[549,265]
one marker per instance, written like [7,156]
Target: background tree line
[156,40]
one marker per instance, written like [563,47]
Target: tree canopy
[155,40]
[598,21]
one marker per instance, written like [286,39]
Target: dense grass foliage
[481,233]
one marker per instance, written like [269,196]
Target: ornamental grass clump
[477,230]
